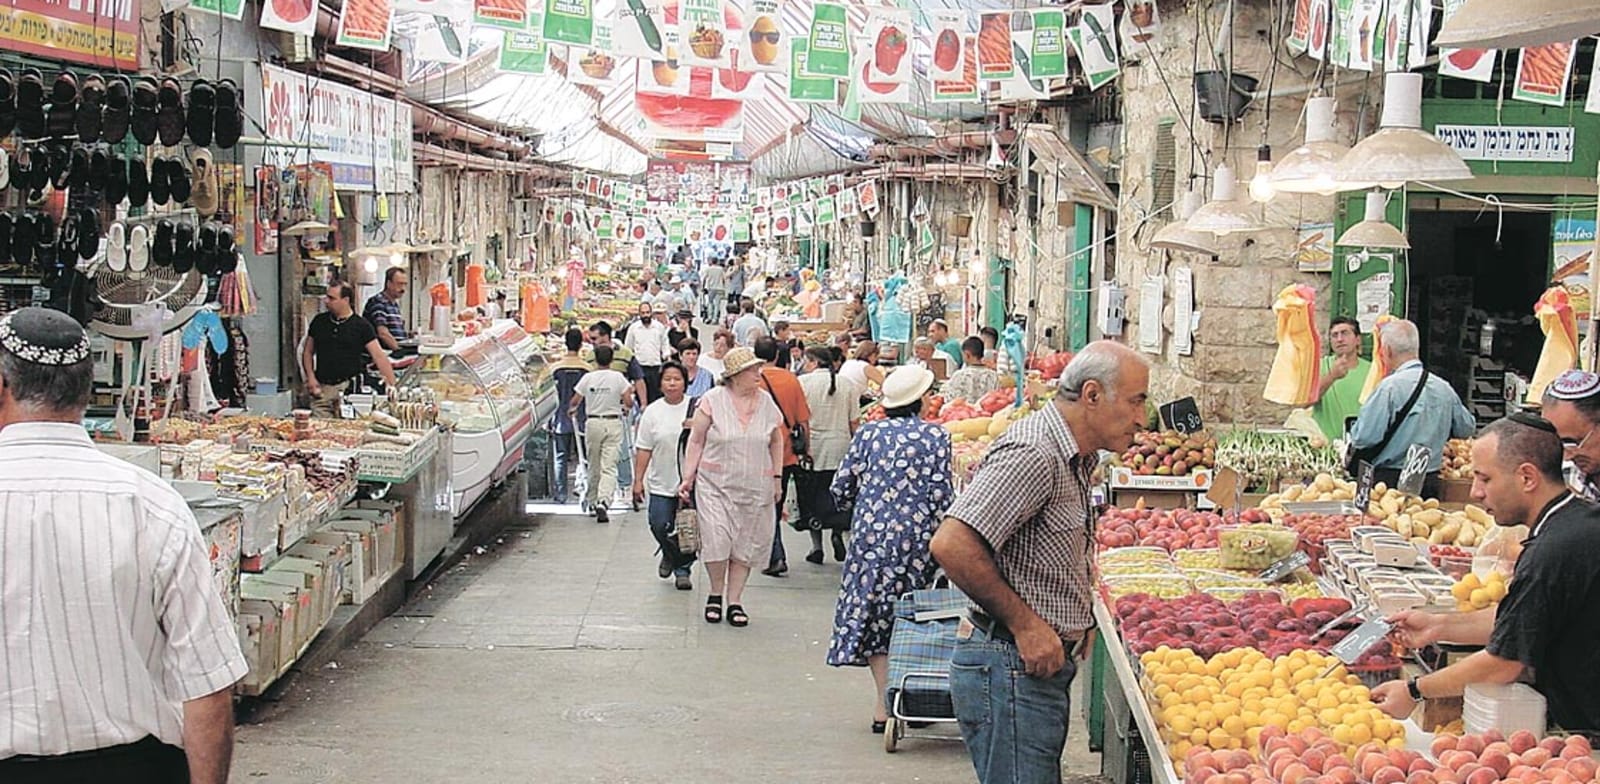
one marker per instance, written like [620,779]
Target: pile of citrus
[1225,702]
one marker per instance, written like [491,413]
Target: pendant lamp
[1225,214]
[1373,231]
[304,227]
[1261,189]
[1400,151]
[1178,237]
[1311,167]
[1496,24]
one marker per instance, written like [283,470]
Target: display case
[528,350]
[485,399]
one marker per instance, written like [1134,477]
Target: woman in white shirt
[658,470]
[721,344]
[835,413]
[863,370]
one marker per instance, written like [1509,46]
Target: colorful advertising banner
[966,88]
[504,14]
[232,9]
[1097,44]
[366,24]
[889,41]
[592,64]
[290,16]
[366,139]
[947,62]
[828,45]
[803,88]
[522,52]
[74,31]
[569,22]
[636,29]
[1543,73]
[995,58]
[1047,51]
[768,41]
[703,27]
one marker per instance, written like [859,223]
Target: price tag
[1183,415]
[1415,471]
[1280,571]
[1366,477]
[1350,649]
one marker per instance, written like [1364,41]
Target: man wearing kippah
[117,656]
[1572,404]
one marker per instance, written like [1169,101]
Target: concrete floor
[556,655]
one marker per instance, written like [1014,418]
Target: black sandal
[737,616]
[713,609]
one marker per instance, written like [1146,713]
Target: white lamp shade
[1400,152]
[1496,24]
[1312,167]
[1225,214]
[307,227]
[1373,231]
[1178,237]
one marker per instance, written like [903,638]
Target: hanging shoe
[139,248]
[88,233]
[183,249]
[6,224]
[100,168]
[229,114]
[169,117]
[30,104]
[161,247]
[118,110]
[227,250]
[117,247]
[90,119]
[63,114]
[205,255]
[138,176]
[178,180]
[146,106]
[204,198]
[201,118]
[160,188]
[8,102]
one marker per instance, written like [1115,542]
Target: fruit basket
[1255,546]
[706,43]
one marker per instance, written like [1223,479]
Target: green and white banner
[1047,56]
[569,22]
[808,89]
[523,52]
[828,52]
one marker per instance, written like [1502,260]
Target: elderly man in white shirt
[117,656]
[650,346]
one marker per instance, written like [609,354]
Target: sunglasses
[1567,443]
[772,38]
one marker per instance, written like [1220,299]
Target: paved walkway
[556,655]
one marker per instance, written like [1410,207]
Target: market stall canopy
[609,124]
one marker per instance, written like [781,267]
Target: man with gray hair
[1411,406]
[1019,542]
[1572,404]
[120,657]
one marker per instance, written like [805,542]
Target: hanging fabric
[1297,366]
[1379,369]
[1560,352]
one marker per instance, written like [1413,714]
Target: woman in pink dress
[734,472]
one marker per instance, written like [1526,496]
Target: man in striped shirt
[117,656]
[1019,541]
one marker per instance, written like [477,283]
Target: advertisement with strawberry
[887,31]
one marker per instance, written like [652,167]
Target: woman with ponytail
[835,414]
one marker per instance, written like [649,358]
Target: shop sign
[91,33]
[1508,142]
[365,138]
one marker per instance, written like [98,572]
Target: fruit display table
[1123,757]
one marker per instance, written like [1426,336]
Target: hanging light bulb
[1492,24]
[1225,214]
[1373,231]
[976,269]
[1177,236]
[1400,152]
[1261,189]
[1312,167]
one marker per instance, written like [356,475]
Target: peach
[1492,735]
[1446,776]
[1553,744]
[1335,760]
[1271,731]
[1497,745]
[1522,740]
[1563,777]
[1522,772]
[1314,759]
[1580,742]
[1311,735]
[1482,776]
[1200,775]
[1553,765]
[1456,759]
[1371,764]
[1419,765]
[1421,777]
[1297,745]
[1496,760]
[1279,764]
[1296,773]
[1273,745]
[1201,757]
[1571,752]
[1233,778]
[1386,775]
[1262,781]
[1472,743]
[1442,744]
[1582,768]
[1238,759]
[1535,757]
[1342,775]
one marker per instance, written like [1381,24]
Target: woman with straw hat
[734,472]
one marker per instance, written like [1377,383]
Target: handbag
[686,523]
[1355,457]
[798,443]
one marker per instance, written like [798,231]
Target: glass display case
[528,351]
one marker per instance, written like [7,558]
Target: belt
[605,416]
[998,631]
[144,745]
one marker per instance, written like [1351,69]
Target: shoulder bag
[1356,457]
[686,523]
[797,434]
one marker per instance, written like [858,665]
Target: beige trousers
[326,404]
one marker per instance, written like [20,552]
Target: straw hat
[905,385]
[741,359]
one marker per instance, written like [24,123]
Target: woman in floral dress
[897,473]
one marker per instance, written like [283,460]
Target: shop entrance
[1475,275]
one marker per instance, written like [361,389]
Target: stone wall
[1234,344]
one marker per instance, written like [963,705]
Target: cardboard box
[391,521]
[333,558]
[1455,491]
[259,653]
[1198,480]
[278,606]
[358,577]
[308,618]
[1124,498]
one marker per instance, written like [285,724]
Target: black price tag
[1355,644]
[1415,471]
[1366,477]
[1183,415]
[1280,571]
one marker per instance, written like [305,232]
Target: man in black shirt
[336,350]
[1549,621]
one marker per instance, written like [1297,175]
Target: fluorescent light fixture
[1400,151]
[1373,231]
[1312,167]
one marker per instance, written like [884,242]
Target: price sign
[1366,477]
[1280,571]
[1350,649]
[1415,470]
[1183,415]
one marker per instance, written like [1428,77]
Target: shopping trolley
[920,647]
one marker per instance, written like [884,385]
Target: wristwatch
[1414,690]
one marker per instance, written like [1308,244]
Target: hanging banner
[889,37]
[1364,19]
[695,229]
[1543,73]
[522,52]
[995,59]
[703,27]
[594,65]
[1474,64]
[231,9]
[826,214]
[737,82]
[365,138]
[1317,38]
[846,203]
[828,43]
[867,197]
[1340,42]
[1591,103]
[569,22]
[504,14]
[721,229]
[662,77]
[92,33]
[290,16]
[621,223]
[266,222]
[1397,34]
[768,41]
[675,230]
[1140,23]
[602,224]
[805,218]
[1096,45]
[439,29]
[808,89]
[636,29]
[966,88]
[1047,44]
[782,222]
[1299,28]
[366,24]
[946,63]
[1421,29]
[866,86]
[741,227]
[760,228]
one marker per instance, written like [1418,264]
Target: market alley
[557,655]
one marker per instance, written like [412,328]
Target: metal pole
[1594,301]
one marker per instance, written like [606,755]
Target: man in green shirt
[939,333]
[1343,376]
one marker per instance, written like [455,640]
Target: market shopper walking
[700,379]
[721,344]
[648,340]
[862,369]
[1411,406]
[119,657]
[785,390]
[1018,542]
[606,397]
[733,470]
[336,350]
[896,474]
[658,471]
[748,326]
[835,413]
[563,434]
[714,282]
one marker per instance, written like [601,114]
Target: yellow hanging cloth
[1296,368]
[1560,352]
[1378,370]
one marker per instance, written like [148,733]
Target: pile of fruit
[1170,529]
[1313,757]
[1474,593]
[1242,700]
[1421,521]
[1522,758]
[1209,626]
[1201,567]
[1168,453]
[1457,463]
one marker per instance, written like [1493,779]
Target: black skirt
[818,512]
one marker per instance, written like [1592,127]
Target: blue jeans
[566,447]
[662,512]
[1015,725]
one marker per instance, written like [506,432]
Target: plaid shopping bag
[920,647]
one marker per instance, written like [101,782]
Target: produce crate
[382,465]
[1123,758]
[1196,481]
